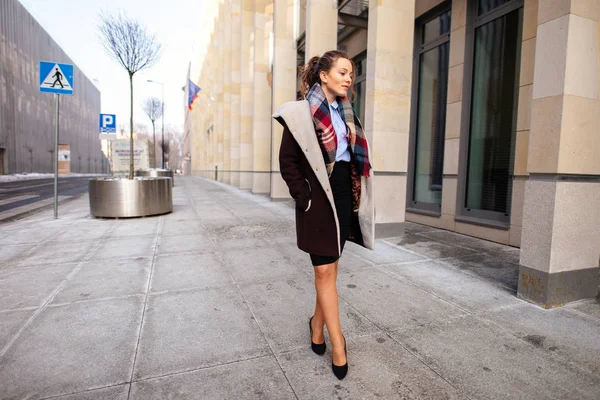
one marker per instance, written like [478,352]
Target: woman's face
[338,79]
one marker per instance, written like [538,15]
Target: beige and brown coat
[303,169]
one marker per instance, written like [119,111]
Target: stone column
[246,94]
[227,94]
[388,98]
[321,27]
[561,216]
[235,91]
[261,129]
[284,84]
[219,128]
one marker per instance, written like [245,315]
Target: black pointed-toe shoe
[317,348]
[341,371]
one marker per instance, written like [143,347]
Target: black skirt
[341,188]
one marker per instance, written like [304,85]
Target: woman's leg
[327,298]
[318,323]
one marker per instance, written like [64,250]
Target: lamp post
[162,103]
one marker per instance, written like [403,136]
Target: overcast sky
[181,26]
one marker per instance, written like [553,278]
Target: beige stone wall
[284,84]
[235,91]
[561,217]
[220,125]
[523,119]
[321,27]
[422,6]
[246,94]
[261,129]
[388,100]
[227,93]
[355,43]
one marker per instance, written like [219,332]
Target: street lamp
[162,102]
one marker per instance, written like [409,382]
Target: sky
[181,26]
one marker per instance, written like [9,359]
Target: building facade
[483,117]
[27,117]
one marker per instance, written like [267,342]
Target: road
[21,198]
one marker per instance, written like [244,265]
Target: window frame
[488,218]
[412,206]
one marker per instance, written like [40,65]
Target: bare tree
[128,43]
[153,109]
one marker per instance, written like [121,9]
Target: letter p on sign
[108,123]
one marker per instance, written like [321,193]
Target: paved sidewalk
[213,301]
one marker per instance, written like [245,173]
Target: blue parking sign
[108,123]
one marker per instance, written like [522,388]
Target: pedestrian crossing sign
[56,78]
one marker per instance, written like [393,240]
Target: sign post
[107,126]
[58,79]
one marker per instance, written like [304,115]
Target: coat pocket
[309,196]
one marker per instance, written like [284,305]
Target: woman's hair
[310,73]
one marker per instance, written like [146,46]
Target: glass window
[360,86]
[429,111]
[493,112]
[489,5]
[436,27]
[431,123]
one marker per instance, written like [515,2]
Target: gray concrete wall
[27,116]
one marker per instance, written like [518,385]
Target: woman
[324,160]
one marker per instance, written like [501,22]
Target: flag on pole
[193,90]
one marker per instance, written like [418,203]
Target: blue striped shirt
[343,153]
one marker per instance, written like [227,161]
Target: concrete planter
[156,173]
[138,197]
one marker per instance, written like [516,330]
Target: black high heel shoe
[340,371]
[317,348]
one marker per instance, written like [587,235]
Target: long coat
[303,169]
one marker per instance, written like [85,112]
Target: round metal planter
[138,197]
[157,172]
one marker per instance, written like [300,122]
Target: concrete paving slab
[282,309]
[182,212]
[559,331]
[136,227]
[384,253]
[187,271]
[30,235]
[469,292]
[428,247]
[88,231]
[411,228]
[259,378]
[389,302]
[72,348]
[486,362]
[31,286]
[12,252]
[12,321]
[124,247]
[589,307]
[495,269]
[290,249]
[101,279]
[185,243]
[258,264]
[194,329]
[378,368]
[51,252]
[119,392]
[183,227]
[454,239]
[227,245]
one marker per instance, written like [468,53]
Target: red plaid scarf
[319,108]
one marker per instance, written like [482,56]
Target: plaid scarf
[319,108]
